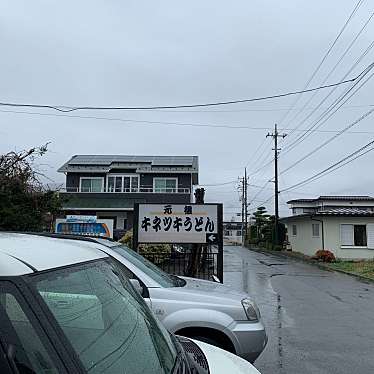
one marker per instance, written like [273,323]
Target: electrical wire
[333,69]
[165,123]
[64,108]
[280,109]
[261,204]
[331,107]
[357,6]
[311,129]
[334,107]
[256,152]
[344,161]
[218,184]
[359,59]
[327,141]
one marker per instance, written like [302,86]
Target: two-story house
[107,186]
[341,224]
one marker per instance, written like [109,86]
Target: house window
[91,184]
[353,235]
[315,229]
[123,183]
[238,233]
[114,184]
[165,185]
[294,230]
[135,183]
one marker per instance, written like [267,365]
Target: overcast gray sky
[131,53]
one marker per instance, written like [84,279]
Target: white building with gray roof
[342,224]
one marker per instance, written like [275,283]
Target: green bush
[157,253]
[278,248]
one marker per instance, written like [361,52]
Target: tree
[265,225]
[261,219]
[25,205]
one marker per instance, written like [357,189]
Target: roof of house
[23,253]
[107,161]
[337,211]
[142,164]
[331,198]
[343,211]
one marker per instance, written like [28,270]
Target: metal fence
[177,263]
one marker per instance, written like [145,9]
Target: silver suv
[199,309]
[67,307]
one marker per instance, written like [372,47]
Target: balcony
[135,190]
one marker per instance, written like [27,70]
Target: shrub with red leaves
[324,255]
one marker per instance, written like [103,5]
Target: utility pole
[244,199]
[275,135]
[245,203]
[243,210]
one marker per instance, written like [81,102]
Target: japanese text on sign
[173,223]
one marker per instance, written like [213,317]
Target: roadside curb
[308,260]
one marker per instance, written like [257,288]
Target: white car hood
[223,362]
[212,287]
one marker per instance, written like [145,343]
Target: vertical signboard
[180,224]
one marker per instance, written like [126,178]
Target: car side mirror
[136,284]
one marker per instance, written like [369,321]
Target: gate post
[220,242]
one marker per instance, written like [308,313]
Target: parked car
[67,307]
[199,309]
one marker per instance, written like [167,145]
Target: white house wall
[305,243]
[332,238]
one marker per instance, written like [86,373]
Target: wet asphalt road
[317,321]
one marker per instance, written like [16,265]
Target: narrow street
[317,321]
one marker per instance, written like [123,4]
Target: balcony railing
[128,190]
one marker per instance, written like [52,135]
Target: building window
[165,185]
[353,235]
[238,233]
[123,183]
[227,233]
[91,184]
[315,229]
[294,230]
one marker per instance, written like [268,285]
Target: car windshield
[106,322]
[153,271]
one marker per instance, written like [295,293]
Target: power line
[251,110]
[358,4]
[218,184]
[64,108]
[262,167]
[335,66]
[344,161]
[166,123]
[307,133]
[328,141]
[262,203]
[256,151]
[331,107]
[334,107]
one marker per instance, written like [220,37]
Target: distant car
[67,307]
[199,309]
